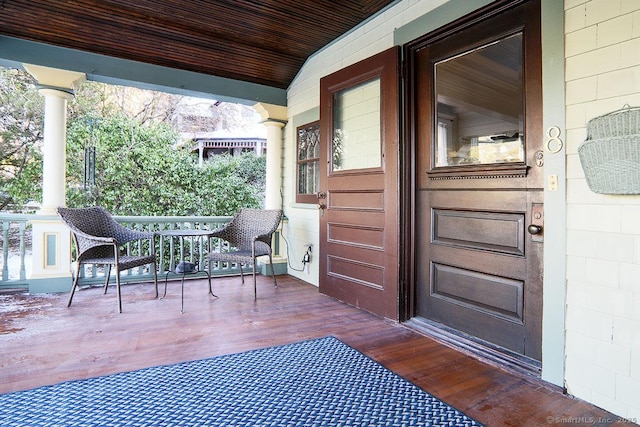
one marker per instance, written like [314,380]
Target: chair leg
[273,273]
[210,289]
[155,278]
[182,294]
[107,275]
[74,285]
[166,278]
[255,288]
[118,290]
[208,271]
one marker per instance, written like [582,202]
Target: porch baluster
[14,274]
[5,250]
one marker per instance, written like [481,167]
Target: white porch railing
[15,244]
[16,248]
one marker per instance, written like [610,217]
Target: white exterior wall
[602,50]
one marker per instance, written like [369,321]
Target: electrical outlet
[307,255]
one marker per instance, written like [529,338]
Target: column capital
[55,82]
[271,114]
[55,91]
[274,123]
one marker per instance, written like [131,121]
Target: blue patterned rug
[316,383]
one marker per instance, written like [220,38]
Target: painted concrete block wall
[304,95]
[602,74]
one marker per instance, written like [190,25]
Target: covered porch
[587,316]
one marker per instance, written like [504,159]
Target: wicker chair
[98,239]
[249,235]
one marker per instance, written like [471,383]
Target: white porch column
[274,117]
[54,157]
[273,198]
[56,86]
[51,251]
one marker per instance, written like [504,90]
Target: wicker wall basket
[612,165]
[617,123]
[610,157]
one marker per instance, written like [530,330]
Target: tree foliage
[21,125]
[138,169]
[138,172]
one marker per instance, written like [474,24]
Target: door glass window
[356,127]
[480,109]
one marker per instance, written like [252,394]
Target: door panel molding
[366,200]
[360,273]
[480,230]
[491,295]
[356,235]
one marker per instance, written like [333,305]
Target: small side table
[181,235]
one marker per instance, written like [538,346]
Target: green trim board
[279,267]
[50,285]
[105,69]
[555,210]
[51,252]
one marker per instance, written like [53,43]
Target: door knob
[534,229]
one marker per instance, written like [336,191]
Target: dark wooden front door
[359,196]
[476,125]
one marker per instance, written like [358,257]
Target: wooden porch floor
[43,342]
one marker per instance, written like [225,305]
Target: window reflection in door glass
[479,111]
[356,127]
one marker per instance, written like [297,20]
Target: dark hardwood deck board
[43,342]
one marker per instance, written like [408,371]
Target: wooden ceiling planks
[264,42]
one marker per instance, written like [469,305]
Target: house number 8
[554,143]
